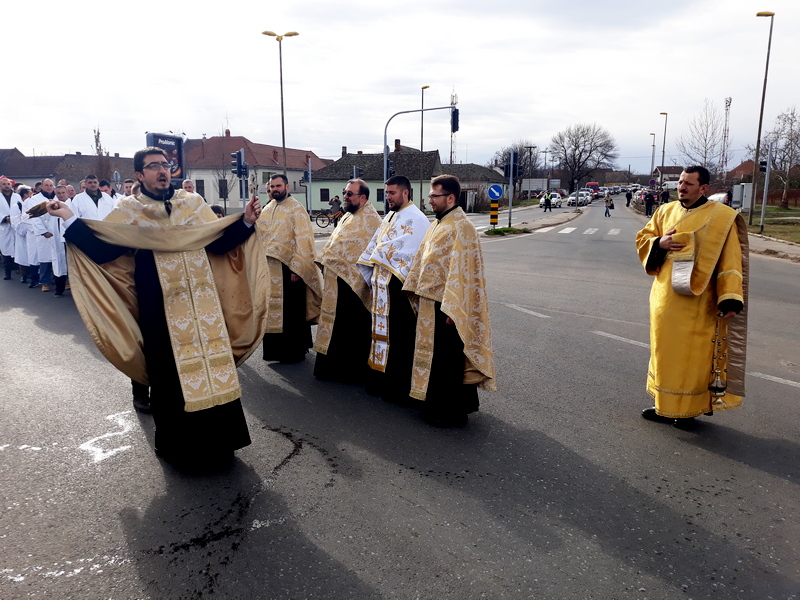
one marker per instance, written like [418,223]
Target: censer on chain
[717,384]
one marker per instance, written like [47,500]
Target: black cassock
[180,436]
[348,350]
[290,345]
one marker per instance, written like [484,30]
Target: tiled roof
[667,170]
[215,152]
[746,168]
[405,163]
[472,173]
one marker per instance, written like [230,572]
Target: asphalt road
[556,489]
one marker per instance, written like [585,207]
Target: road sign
[495,191]
[117,177]
[652,182]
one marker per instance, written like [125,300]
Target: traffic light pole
[386,129]
[512,165]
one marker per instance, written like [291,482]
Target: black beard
[278,196]
[351,208]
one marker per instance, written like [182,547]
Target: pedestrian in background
[609,204]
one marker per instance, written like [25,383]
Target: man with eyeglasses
[384,265]
[453,353]
[144,286]
[92,203]
[343,333]
[295,292]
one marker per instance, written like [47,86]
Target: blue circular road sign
[495,191]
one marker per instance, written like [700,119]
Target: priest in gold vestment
[295,290]
[343,334]
[453,347]
[175,299]
[697,250]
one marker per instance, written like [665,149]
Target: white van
[670,185]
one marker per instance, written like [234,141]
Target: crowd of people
[177,296]
[180,300]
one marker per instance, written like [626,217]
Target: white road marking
[614,231]
[529,312]
[98,453]
[590,231]
[544,229]
[776,379]
[750,373]
[568,230]
[622,339]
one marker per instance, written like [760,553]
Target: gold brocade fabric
[338,258]
[684,321]
[215,305]
[449,269]
[284,231]
[390,252]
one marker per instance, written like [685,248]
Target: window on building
[222,186]
[324,196]
[200,187]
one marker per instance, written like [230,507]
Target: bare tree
[703,145]
[582,149]
[785,141]
[528,158]
[102,165]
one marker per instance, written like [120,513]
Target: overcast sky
[522,69]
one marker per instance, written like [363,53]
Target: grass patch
[507,230]
[782,230]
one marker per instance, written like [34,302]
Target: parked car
[555,200]
[583,198]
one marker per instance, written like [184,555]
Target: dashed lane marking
[750,373]
[621,339]
[526,311]
[614,231]
[775,379]
[590,231]
[544,230]
[568,230]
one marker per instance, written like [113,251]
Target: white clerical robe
[85,208]
[7,233]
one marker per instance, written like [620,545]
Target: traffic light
[237,164]
[453,120]
[517,170]
[359,173]
[305,176]
[763,166]
[390,168]
[506,171]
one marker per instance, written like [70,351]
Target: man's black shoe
[142,404]
[651,415]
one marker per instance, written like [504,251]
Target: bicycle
[324,219]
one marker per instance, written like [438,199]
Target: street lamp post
[653,159]
[771,16]
[280,62]
[663,149]
[421,137]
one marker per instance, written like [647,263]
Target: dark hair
[281,176]
[449,184]
[89,177]
[129,181]
[104,182]
[218,209]
[702,173]
[138,158]
[399,180]
[363,188]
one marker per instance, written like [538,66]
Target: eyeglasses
[432,196]
[156,166]
[347,194]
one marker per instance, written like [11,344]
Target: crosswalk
[568,230]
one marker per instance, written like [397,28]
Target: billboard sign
[173,146]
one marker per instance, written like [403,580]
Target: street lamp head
[765,13]
[290,34]
[272,33]
[663,113]
[425,87]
